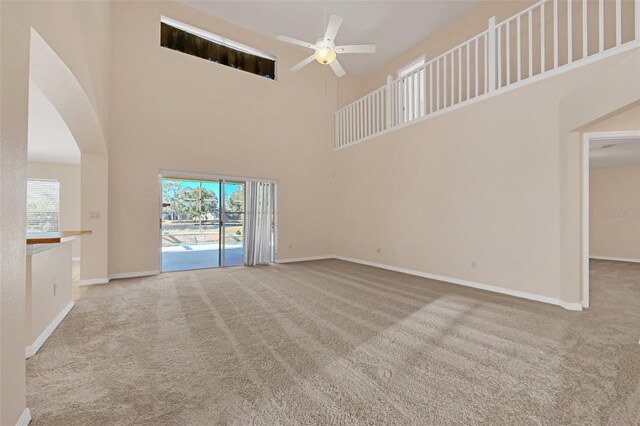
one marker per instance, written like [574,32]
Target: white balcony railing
[550,34]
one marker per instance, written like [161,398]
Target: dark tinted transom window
[196,42]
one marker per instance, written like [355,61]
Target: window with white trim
[194,41]
[413,90]
[413,66]
[43,205]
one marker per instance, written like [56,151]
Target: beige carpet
[331,342]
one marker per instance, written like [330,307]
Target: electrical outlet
[94,215]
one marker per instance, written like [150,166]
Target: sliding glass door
[202,224]
[233,223]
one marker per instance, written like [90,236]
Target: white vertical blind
[259,225]
[43,205]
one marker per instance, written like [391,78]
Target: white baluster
[618,22]
[475,56]
[418,94]
[358,120]
[508,55]
[430,87]
[569,32]
[336,142]
[376,112]
[490,56]
[444,81]
[518,51]
[555,34]
[343,132]
[453,82]
[600,25]
[459,74]
[438,84]
[499,57]
[542,40]
[468,48]
[362,120]
[637,20]
[530,43]
[585,34]
[388,103]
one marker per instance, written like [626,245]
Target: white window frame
[412,66]
[56,227]
[407,89]
[216,38]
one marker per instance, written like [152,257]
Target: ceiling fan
[325,48]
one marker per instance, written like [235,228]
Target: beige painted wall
[69,177]
[485,185]
[71,65]
[94,194]
[614,212]
[173,111]
[476,21]
[14,92]
[46,269]
[463,29]
[628,119]
[83,43]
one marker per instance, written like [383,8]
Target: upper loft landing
[544,39]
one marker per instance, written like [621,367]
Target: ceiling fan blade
[356,48]
[303,63]
[332,28]
[297,42]
[337,68]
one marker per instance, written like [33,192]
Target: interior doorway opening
[610,213]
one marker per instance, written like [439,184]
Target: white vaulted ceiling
[394,26]
[614,153]
[49,138]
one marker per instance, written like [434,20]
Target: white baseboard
[305,259]
[118,276]
[616,259]
[571,306]
[94,281]
[75,259]
[25,418]
[487,287]
[30,351]
[133,274]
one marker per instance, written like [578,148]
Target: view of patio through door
[202,224]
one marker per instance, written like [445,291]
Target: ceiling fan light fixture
[325,55]
[325,51]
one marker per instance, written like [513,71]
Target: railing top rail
[361,98]
[486,66]
[423,67]
[448,52]
[522,12]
